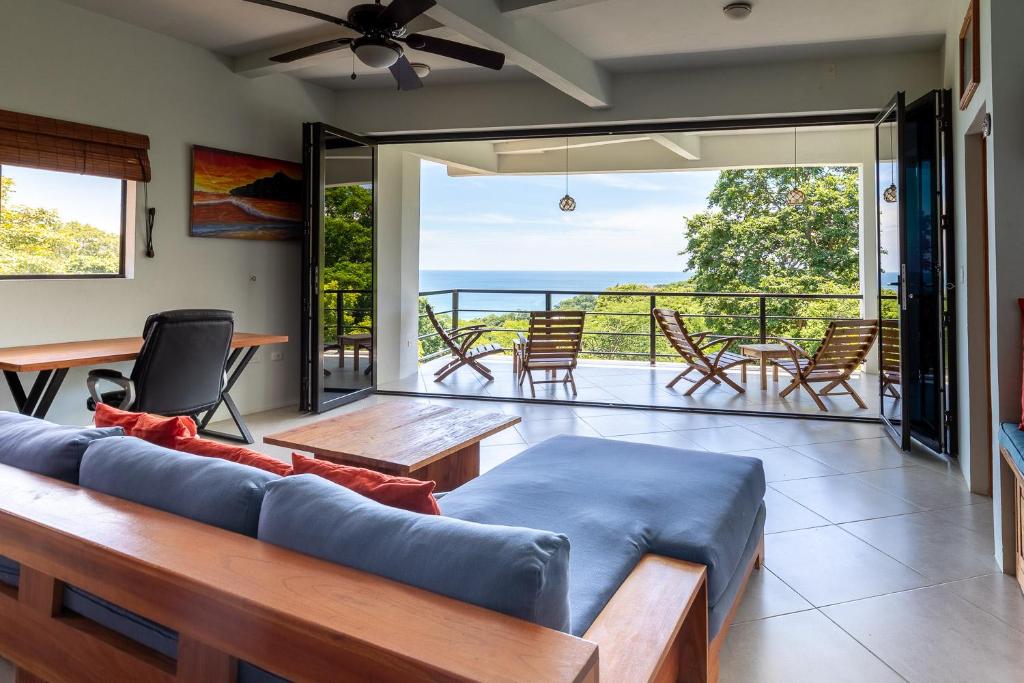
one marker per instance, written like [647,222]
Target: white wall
[60,61]
[1000,94]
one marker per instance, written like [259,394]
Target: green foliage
[36,241]
[748,240]
[348,259]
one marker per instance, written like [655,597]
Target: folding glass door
[338,268]
[915,249]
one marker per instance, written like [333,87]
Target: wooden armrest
[231,596]
[719,340]
[656,623]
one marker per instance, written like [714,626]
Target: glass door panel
[891,292]
[338,283]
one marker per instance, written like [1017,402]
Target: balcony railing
[546,300]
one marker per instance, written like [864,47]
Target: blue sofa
[548,536]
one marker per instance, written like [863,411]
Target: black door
[916,272]
[338,268]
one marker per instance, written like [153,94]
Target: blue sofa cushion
[616,501]
[10,571]
[52,450]
[1012,439]
[520,572]
[209,490]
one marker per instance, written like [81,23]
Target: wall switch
[277,355]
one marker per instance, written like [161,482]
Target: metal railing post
[762,318]
[339,308]
[547,301]
[455,309]
[652,331]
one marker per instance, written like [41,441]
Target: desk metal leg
[40,397]
[235,369]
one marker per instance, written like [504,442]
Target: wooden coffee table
[764,353]
[409,439]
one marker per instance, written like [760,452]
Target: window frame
[125,267]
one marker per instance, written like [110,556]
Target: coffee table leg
[452,471]
[764,372]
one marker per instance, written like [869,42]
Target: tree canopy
[348,257]
[35,241]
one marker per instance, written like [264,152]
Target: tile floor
[622,382]
[879,565]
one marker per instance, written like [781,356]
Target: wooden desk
[418,440]
[764,353]
[52,362]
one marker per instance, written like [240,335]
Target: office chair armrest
[114,377]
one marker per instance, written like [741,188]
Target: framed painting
[243,196]
[970,54]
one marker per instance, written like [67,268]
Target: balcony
[627,361]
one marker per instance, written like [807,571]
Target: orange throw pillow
[398,492]
[239,454]
[156,429]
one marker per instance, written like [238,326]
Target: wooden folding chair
[889,365]
[692,347]
[460,343]
[843,349]
[552,343]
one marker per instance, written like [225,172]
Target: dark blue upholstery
[209,490]
[616,501]
[720,610]
[35,445]
[1012,439]
[10,572]
[520,572]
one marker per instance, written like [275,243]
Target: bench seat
[617,501]
[1012,439]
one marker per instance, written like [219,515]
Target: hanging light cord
[567,165]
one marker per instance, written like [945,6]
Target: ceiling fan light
[375,53]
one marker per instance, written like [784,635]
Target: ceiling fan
[382,29]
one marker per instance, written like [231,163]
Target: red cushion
[153,428]
[399,492]
[239,454]
[1020,302]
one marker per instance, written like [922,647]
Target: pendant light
[891,194]
[796,196]
[567,203]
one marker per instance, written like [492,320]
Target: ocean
[556,280]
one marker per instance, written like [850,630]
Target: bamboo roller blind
[54,145]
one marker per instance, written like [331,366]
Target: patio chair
[552,343]
[712,368]
[889,367]
[460,342]
[843,349]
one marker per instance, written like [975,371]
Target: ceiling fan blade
[401,12]
[404,75]
[310,50]
[460,51]
[302,10]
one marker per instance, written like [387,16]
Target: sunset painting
[244,196]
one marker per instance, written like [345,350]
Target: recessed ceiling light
[422,70]
[738,10]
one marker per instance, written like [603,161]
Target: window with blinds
[64,194]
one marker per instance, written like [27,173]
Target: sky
[87,199]
[623,221]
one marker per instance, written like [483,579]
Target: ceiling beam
[686,145]
[530,45]
[557,144]
[520,7]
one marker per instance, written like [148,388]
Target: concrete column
[869,249]
[398,253]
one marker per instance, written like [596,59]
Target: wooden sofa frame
[233,598]
[1013,481]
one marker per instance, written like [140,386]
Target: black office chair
[180,369]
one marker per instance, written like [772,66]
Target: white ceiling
[613,36]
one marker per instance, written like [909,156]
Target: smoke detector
[738,10]
[422,70]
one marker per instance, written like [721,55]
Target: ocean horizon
[548,280]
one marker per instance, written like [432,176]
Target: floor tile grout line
[863,645]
